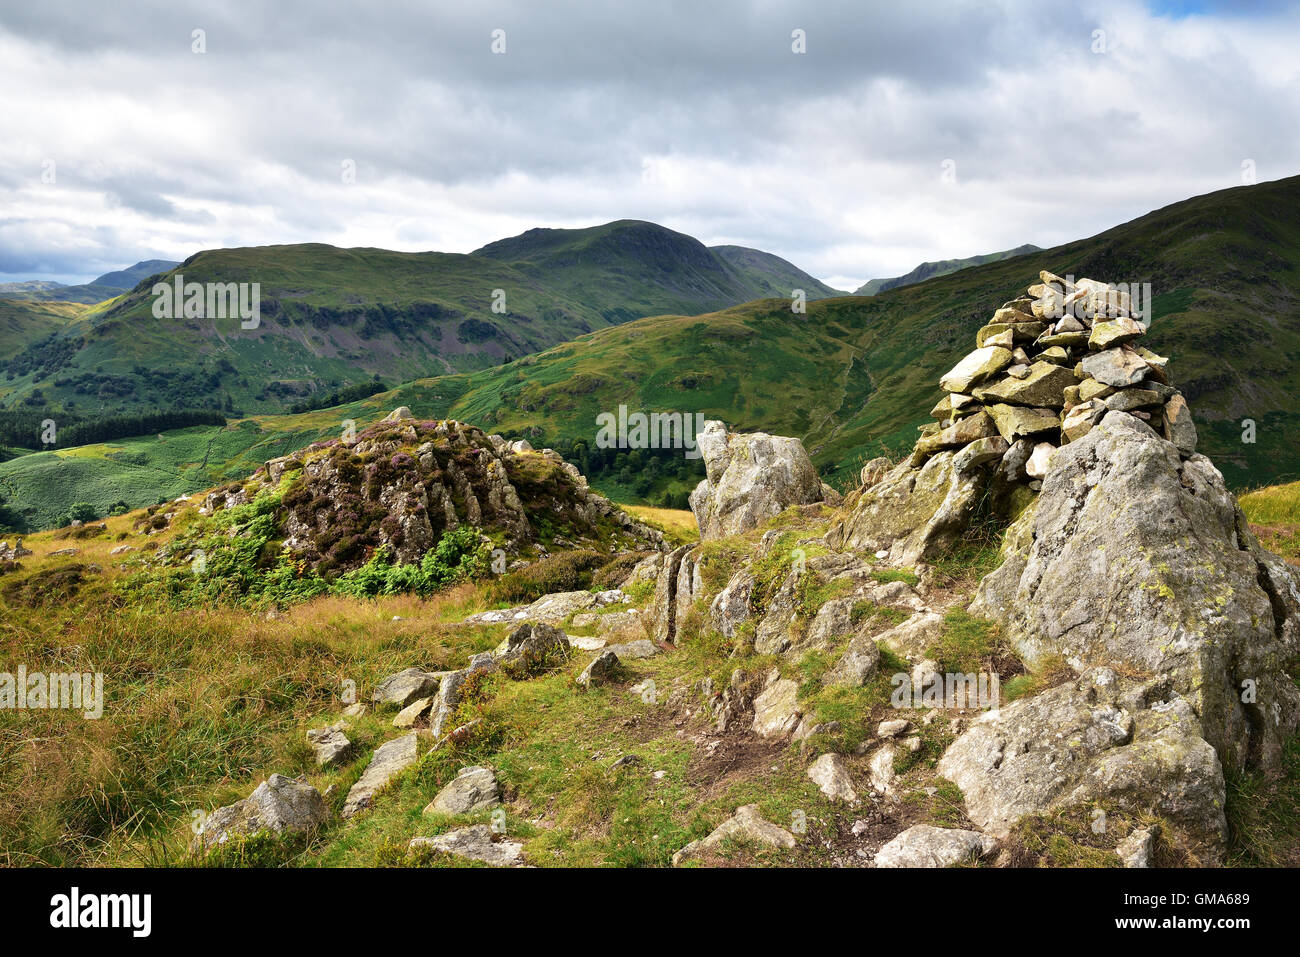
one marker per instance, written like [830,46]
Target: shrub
[566,571]
[81,512]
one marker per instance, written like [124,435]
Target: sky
[903,132]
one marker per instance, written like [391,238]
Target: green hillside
[332,318]
[941,268]
[855,375]
[23,323]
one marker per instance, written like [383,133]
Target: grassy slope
[335,316]
[943,267]
[22,323]
[201,704]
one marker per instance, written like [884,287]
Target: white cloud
[702,121]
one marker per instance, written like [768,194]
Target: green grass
[1275,515]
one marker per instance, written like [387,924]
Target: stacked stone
[1047,368]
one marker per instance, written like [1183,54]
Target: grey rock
[750,479]
[473,789]
[745,825]
[331,745]
[830,773]
[279,805]
[924,845]
[1134,555]
[475,843]
[600,670]
[390,759]
[1087,743]
[403,688]
[776,709]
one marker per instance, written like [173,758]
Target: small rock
[473,789]
[881,769]
[331,745]
[746,824]
[601,669]
[474,843]
[924,845]
[1136,849]
[830,773]
[412,713]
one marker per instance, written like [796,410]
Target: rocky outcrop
[1140,556]
[750,478]
[403,483]
[551,609]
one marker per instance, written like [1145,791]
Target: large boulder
[1136,556]
[1095,742]
[913,514]
[278,805]
[749,479]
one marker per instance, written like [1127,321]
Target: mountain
[97,290]
[610,264]
[941,268]
[333,317]
[847,377]
[780,276]
[1224,270]
[127,278]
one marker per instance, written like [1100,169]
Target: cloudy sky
[905,132]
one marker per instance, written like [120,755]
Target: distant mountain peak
[942,267]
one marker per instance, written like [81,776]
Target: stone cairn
[1047,367]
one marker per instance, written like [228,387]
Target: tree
[81,512]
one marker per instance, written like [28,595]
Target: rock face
[1137,746]
[403,482]
[923,845]
[1137,555]
[749,479]
[1046,369]
[279,805]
